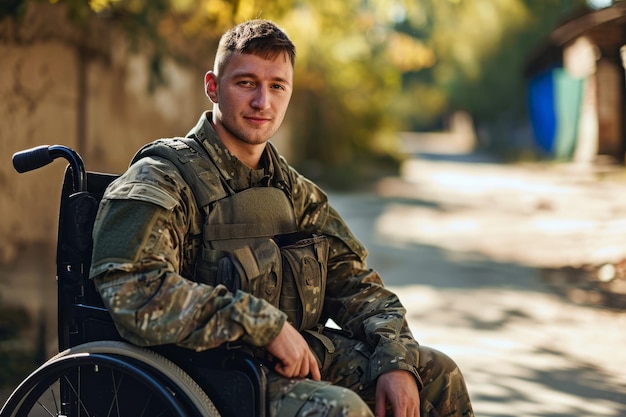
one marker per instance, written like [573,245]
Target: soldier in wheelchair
[212,249]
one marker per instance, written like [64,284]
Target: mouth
[255,120]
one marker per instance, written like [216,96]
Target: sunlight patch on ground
[524,354]
[542,240]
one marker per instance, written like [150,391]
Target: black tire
[108,378]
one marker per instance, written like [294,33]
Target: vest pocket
[206,267]
[304,264]
[288,271]
[259,270]
[255,269]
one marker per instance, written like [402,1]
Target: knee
[434,361]
[339,402]
[438,369]
[444,384]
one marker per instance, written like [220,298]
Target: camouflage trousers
[346,391]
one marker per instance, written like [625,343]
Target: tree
[365,68]
[481,48]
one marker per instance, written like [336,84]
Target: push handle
[30,159]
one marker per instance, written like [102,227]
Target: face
[250,99]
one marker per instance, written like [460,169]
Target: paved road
[467,246]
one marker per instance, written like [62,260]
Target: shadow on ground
[525,346]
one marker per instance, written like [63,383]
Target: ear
[210,86]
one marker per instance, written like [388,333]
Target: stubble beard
[249,135]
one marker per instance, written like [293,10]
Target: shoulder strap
[282,179]
[202,175]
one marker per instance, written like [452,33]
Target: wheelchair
[96,372]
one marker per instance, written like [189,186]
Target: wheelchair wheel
[108,378]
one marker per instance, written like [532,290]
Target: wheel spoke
[44,407]
[86,384]
[145,406]
[115,403]
[77,392]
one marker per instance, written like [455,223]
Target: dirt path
[467,247]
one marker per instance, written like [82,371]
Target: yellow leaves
[183,6]
[213,17]
[304,30]
[219,11]
[246,10]
[350,48]
[409,54]
[97,5]
[471,31]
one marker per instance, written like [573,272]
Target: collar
[237,175]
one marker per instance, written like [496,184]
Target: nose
[261,99]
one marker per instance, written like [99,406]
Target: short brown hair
[257,37]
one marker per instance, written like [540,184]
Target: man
[215,239]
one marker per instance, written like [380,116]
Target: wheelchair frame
[96,371]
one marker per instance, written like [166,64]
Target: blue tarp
[555,100]
[541,109]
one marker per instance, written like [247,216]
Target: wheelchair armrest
[89,324]
[87,311]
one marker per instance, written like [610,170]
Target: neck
[249,154]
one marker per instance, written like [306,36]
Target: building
[576,87]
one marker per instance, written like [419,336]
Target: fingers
[398,408]
[397,389]
[295,359]
[314,370]
[285,370]
[300,366]
[381,404]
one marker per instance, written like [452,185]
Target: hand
[295,359]
[399,389]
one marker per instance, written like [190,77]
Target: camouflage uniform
[147,242]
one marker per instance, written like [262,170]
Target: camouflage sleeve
[144,227]
[356,298]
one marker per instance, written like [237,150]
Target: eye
[245,83]
[278,87]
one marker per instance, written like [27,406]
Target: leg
[444,386]
[444,392]
[299,398]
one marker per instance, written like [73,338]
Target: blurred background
[393,99]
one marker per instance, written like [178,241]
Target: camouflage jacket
[146,241]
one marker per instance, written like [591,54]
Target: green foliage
[16,362]
[344,84]
[365,68]
[481,49]
[12,8]
[15,365]
[12,321]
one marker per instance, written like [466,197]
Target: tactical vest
[250,239]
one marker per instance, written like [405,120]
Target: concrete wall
[84,88]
